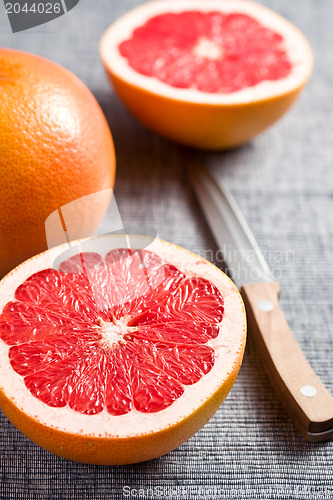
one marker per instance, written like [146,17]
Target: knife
[301,392]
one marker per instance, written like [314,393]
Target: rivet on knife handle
[302,393]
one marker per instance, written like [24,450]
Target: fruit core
[115,333]
[211,52]
[127,332]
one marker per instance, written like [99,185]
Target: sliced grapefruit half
[207,74]
[117,356]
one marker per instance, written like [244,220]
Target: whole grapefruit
[210,74]
[117,354]
[55,147]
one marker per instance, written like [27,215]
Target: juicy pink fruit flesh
[207,51]
[121,333]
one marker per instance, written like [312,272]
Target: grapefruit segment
[118,397]
[178,332]
[118,335]
[207,74]
[195,298]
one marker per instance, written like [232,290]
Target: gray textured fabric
[283,181]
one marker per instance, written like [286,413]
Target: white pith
[227,349]
[207,49]
[295,44]
[113,334]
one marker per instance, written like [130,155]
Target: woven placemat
[283,182]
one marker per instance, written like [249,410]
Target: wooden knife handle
[304,396]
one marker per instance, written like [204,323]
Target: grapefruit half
[115,356]
[207,74]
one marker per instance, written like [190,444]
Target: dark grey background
[283,181]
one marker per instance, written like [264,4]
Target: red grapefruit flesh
[118,355]
[208,74]
[230,51]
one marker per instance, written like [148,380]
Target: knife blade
[303,395]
